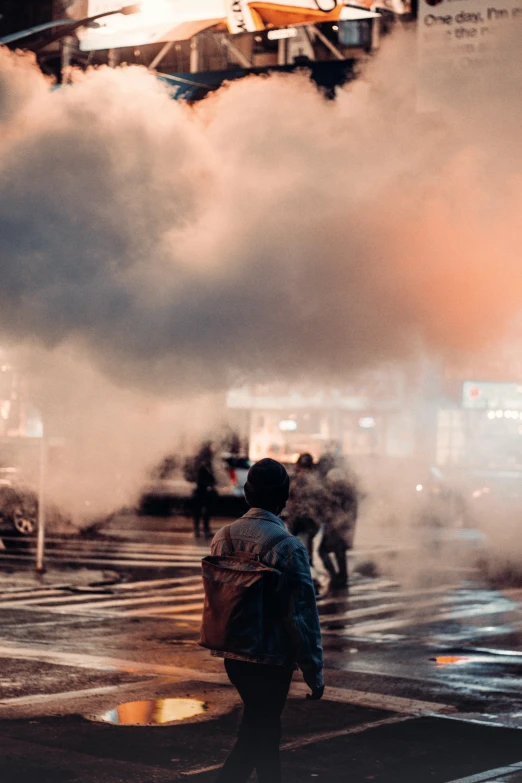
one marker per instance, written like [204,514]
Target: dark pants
[202,506]
[339,576]
[263,690]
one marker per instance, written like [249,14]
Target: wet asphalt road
[116,619]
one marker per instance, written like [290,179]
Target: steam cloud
[265,232]
[265,229]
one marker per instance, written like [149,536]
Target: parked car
[19,511]
[169,493]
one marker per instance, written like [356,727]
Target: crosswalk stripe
[361,595]
[147,585]
[372,607]
[171,611]
[155,583]
[152,556]
[395,624]
[86,599]
[152,559]
[97,553]
[179,595]
[13,598]
[385,608]
[185,605]
[52,558]
[127,545]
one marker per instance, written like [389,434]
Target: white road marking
[16,597]
[45,698]
[492,775]
[89,600]
[154,583]
[392,624]
[174,563]
[152,549]
[372,607]
[105,663]
[380,609]
[106,553]
[170,611]
[311,739]
[328,735]
[377,701]
[362,595]
[180,599]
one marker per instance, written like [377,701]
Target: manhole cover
[155,712]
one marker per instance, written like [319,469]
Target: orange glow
[155,712]
[280,14]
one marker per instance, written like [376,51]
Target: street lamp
[135,8]
[62,28]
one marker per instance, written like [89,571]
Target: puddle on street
[493,659]
[155,712]
[448,660]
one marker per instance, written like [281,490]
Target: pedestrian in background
[306,503]
[340,516]
[204,496]
[263,644]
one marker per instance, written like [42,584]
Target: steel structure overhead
[61,27]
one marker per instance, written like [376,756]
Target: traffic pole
[40,544]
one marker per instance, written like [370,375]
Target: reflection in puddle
[446,660]
[153,713]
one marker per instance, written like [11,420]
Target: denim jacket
[296,639]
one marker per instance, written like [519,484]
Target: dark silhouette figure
[339,526]
[306,503]
[204,497]
[263,673]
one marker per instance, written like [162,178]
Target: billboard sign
[177,20]
[456,37]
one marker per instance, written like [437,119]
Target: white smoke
[265,232]
[265,229]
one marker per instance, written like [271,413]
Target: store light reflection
[154,712]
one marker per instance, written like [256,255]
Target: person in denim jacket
[294,641]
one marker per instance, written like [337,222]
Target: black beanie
[267,484]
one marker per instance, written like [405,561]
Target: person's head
[304,462]
[267,486]
[326,463]
[206,452]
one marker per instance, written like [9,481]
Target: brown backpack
[240,600]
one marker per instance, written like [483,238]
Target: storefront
[368,417]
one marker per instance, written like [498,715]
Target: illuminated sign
[177,20]
[502,398]
[288,425]
[285,32]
